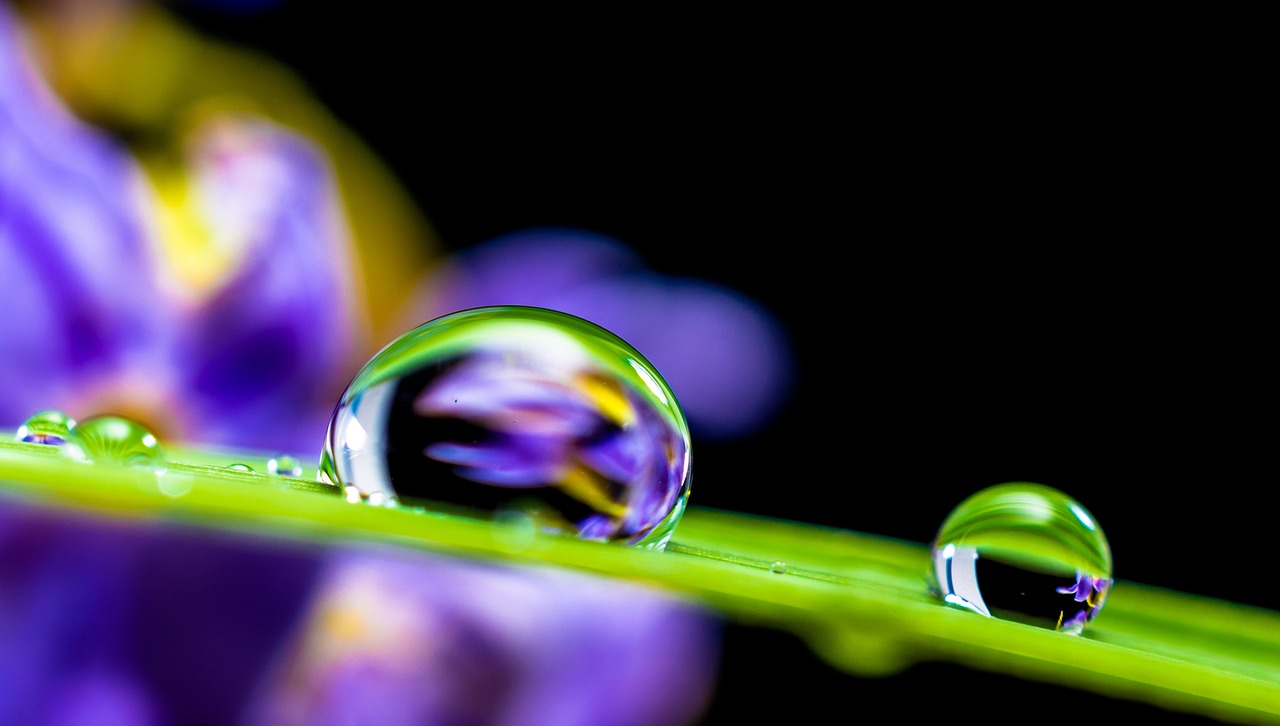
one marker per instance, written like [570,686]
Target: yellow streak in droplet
[587,487]
[608,398]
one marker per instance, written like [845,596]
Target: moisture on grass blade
[861,601]
[116,611]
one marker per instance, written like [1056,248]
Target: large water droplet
[495,410]
[1024,552]
[118,440]
[50,427]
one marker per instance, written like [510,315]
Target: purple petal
[105,697]
[727,359]
[176,621]
[76,280]
[509,461]
[173,624]
[523,268]
[428,640]
[96,319]
[490,393]
[270,352]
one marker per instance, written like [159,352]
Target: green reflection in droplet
[115,439]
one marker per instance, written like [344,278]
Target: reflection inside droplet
[496,410]
[50,427]
[1023,552]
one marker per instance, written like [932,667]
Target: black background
[1000,256]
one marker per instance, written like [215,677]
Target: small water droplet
[778,567]
[379,499]
[172,486]
[479,409]
[240,467]
[515,529]
[284,465]
[1024,552]
[49,427]
[118,440]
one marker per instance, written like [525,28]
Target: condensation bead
[499,410]
[284,465]
[1024,552]
[50,427]
[117,440]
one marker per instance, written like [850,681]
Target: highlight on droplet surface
[108,438]
[498,410]
[50,427]
[1024,552]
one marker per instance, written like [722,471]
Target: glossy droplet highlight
[778,567]
[284,466]
[1024,552]
[50,427]
[500,410]
[117,440]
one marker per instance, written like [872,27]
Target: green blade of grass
[858,599]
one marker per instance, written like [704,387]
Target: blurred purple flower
[398,640]
[725,356]
[122,621]
[146,622]
[106,622]
[74,283]
[98,317]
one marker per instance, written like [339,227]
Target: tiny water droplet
[240,467]
[379,499]
[778,567]
[1023,552]
[118,440]
[172,486]
[475,411]
[50,427]
[514,529]
[284,465]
